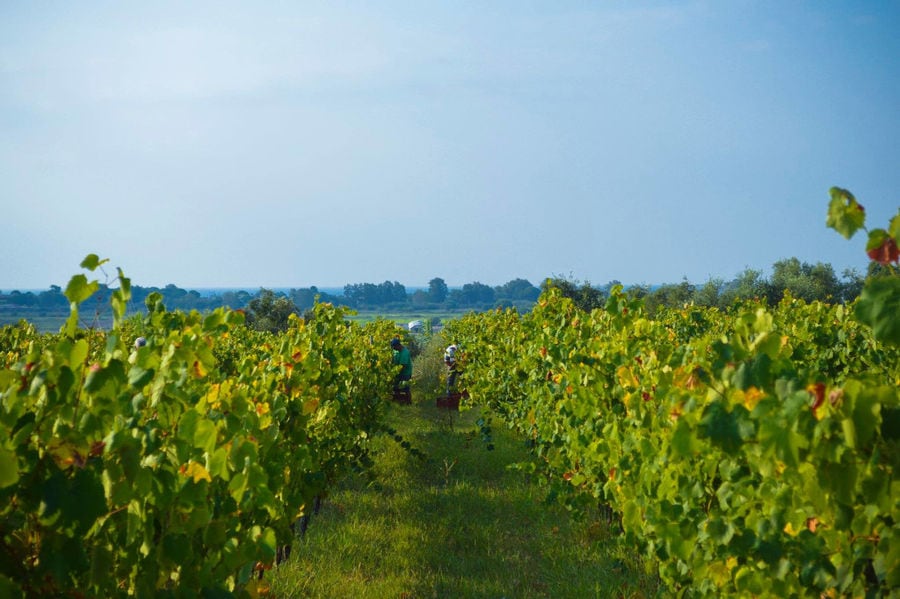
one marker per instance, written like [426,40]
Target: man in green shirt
[402,358]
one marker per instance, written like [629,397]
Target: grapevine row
[177,465]
[750,453]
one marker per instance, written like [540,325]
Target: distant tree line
[174,298]
[809,282]
[391,295]
[269,310]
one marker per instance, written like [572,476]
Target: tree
[518,289]
[476,293]
[370,295]
[805,281]
[419,298]
[437,290]
[22,299]
[638,291]
[172,293]
[236,299]
[53,298]
[304,298]
[270,312]
[709,294]
[670,295]
[748,285]
[852,284]
[392,293]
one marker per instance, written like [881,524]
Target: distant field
[51,323]
[404,318]
[48,323]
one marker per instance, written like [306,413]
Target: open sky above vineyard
[237,144]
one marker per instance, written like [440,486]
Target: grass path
[457,524]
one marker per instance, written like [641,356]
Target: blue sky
[281,144]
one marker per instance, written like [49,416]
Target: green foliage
[879,301]
[177,466]
[437,290]
[518,289]
[805,281]
[878,307]
[270,312]
[473,294]
[845,214]
[584,295]
[747,453]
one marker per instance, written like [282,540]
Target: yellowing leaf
[196,471]
[310,406]
[626,377]
[199,369]
[752,397]
[212,397]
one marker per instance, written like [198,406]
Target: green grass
[458,523]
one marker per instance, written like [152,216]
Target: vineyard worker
[401,357]
[451,363]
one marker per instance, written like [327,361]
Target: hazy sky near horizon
[281,144]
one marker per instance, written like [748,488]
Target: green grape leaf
[721,427]
[92,262]
[79,353]
[720,530]
[205,435]
[85,500]
[684,440]
[71,325]
[79,289]
[267,545]
[213,320]
[867,412]
[879,307]
[9,469]
[217,463]
[888,565]
[845,214]
[749,581]
[138,377]
[176,548]
[120,299]
[894,227]
[187,425]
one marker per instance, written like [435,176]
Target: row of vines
[748,453]
[178,464]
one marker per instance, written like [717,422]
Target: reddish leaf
[818,393]
[886,253]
